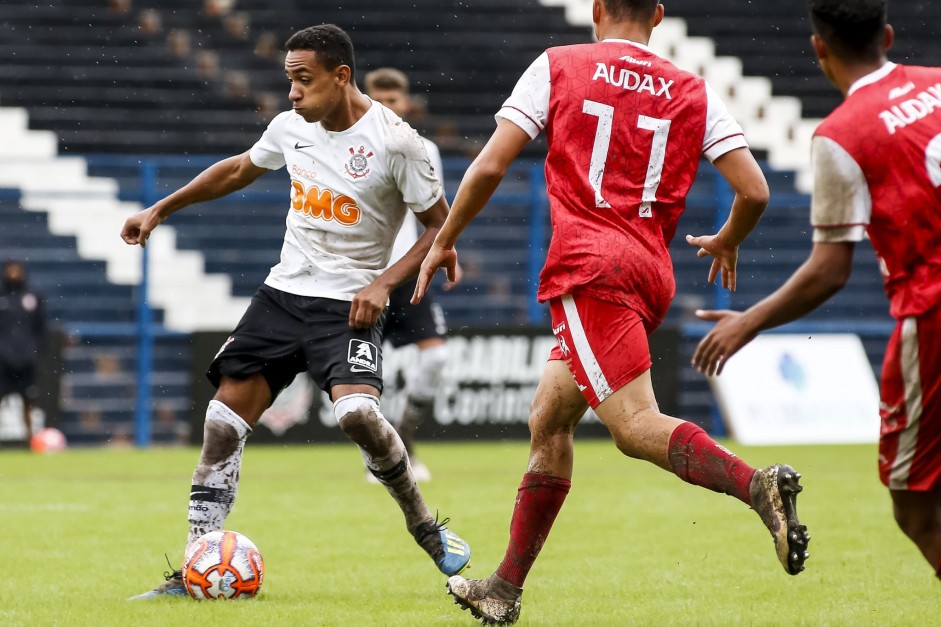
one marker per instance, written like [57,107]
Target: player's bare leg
[557,407]
[357,412]
[237,405]
[641,431]
[27,418]
[918,515]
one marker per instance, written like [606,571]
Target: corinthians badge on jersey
[358,165]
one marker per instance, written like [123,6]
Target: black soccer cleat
[774,493]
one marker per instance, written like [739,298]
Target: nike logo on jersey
[632,81]
[299,146]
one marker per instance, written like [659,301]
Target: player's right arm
[218,180]
[840,210]
[821,276]
[478,185]
[744,175]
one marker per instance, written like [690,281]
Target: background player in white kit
[422,324]
[356,171]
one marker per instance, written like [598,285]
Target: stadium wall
[487,387]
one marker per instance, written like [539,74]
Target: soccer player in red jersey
[626,130]
[877,171]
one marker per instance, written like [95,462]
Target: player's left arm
[369,303]
[824,273]
[478,185]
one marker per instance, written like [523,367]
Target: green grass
[82,531]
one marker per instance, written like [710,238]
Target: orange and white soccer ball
[48,440]
[223,565]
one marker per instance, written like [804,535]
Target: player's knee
[223,432]
[357,415]
[547,421]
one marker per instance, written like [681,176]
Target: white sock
[216,478]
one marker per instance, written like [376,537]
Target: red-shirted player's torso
[892,129]
[625,131]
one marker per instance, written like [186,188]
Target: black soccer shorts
[407,323]
[282,334]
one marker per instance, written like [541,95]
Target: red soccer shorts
[910,442]
[604,344]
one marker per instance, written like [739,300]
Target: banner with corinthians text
[486,389]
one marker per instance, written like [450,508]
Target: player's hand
[725,339]
[458,275]
[367,306]
[437,257]
[724,258]
[138,227]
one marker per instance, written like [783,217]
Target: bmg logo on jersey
[364,356]
[324,204]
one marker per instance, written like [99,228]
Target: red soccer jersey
[626,130]
[877,161]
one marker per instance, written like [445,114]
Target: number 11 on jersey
[599,154]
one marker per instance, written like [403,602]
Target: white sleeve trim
[841,200]
[723,133]
[267,152]
[528,105]
[855,233]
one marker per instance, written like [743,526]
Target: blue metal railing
[144,181]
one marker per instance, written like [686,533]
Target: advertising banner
[486,389]
[800,389]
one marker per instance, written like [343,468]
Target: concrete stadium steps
[464,67]
[75,289]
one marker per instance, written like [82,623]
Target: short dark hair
[853,29]
[331,43]
[386,78]
[638,10]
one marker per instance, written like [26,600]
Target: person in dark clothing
[22,334]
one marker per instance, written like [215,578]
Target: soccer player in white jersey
[423,324]
[877,174]
[356,171]
[626,131]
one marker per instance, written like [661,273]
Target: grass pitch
[82,531]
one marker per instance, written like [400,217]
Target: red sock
[538,501]
[697,459]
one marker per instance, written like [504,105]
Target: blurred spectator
[178,42]
[269,105]
[207,64]
[149,22]
[22,334]
[217,8]
[119,7]
[237,85]
[268,46]
[237,25]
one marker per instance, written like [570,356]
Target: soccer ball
[47,441]
[223,565]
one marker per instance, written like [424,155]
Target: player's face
[395,99]
[315,91]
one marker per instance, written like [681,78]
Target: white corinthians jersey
[350,192]
[412,229]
